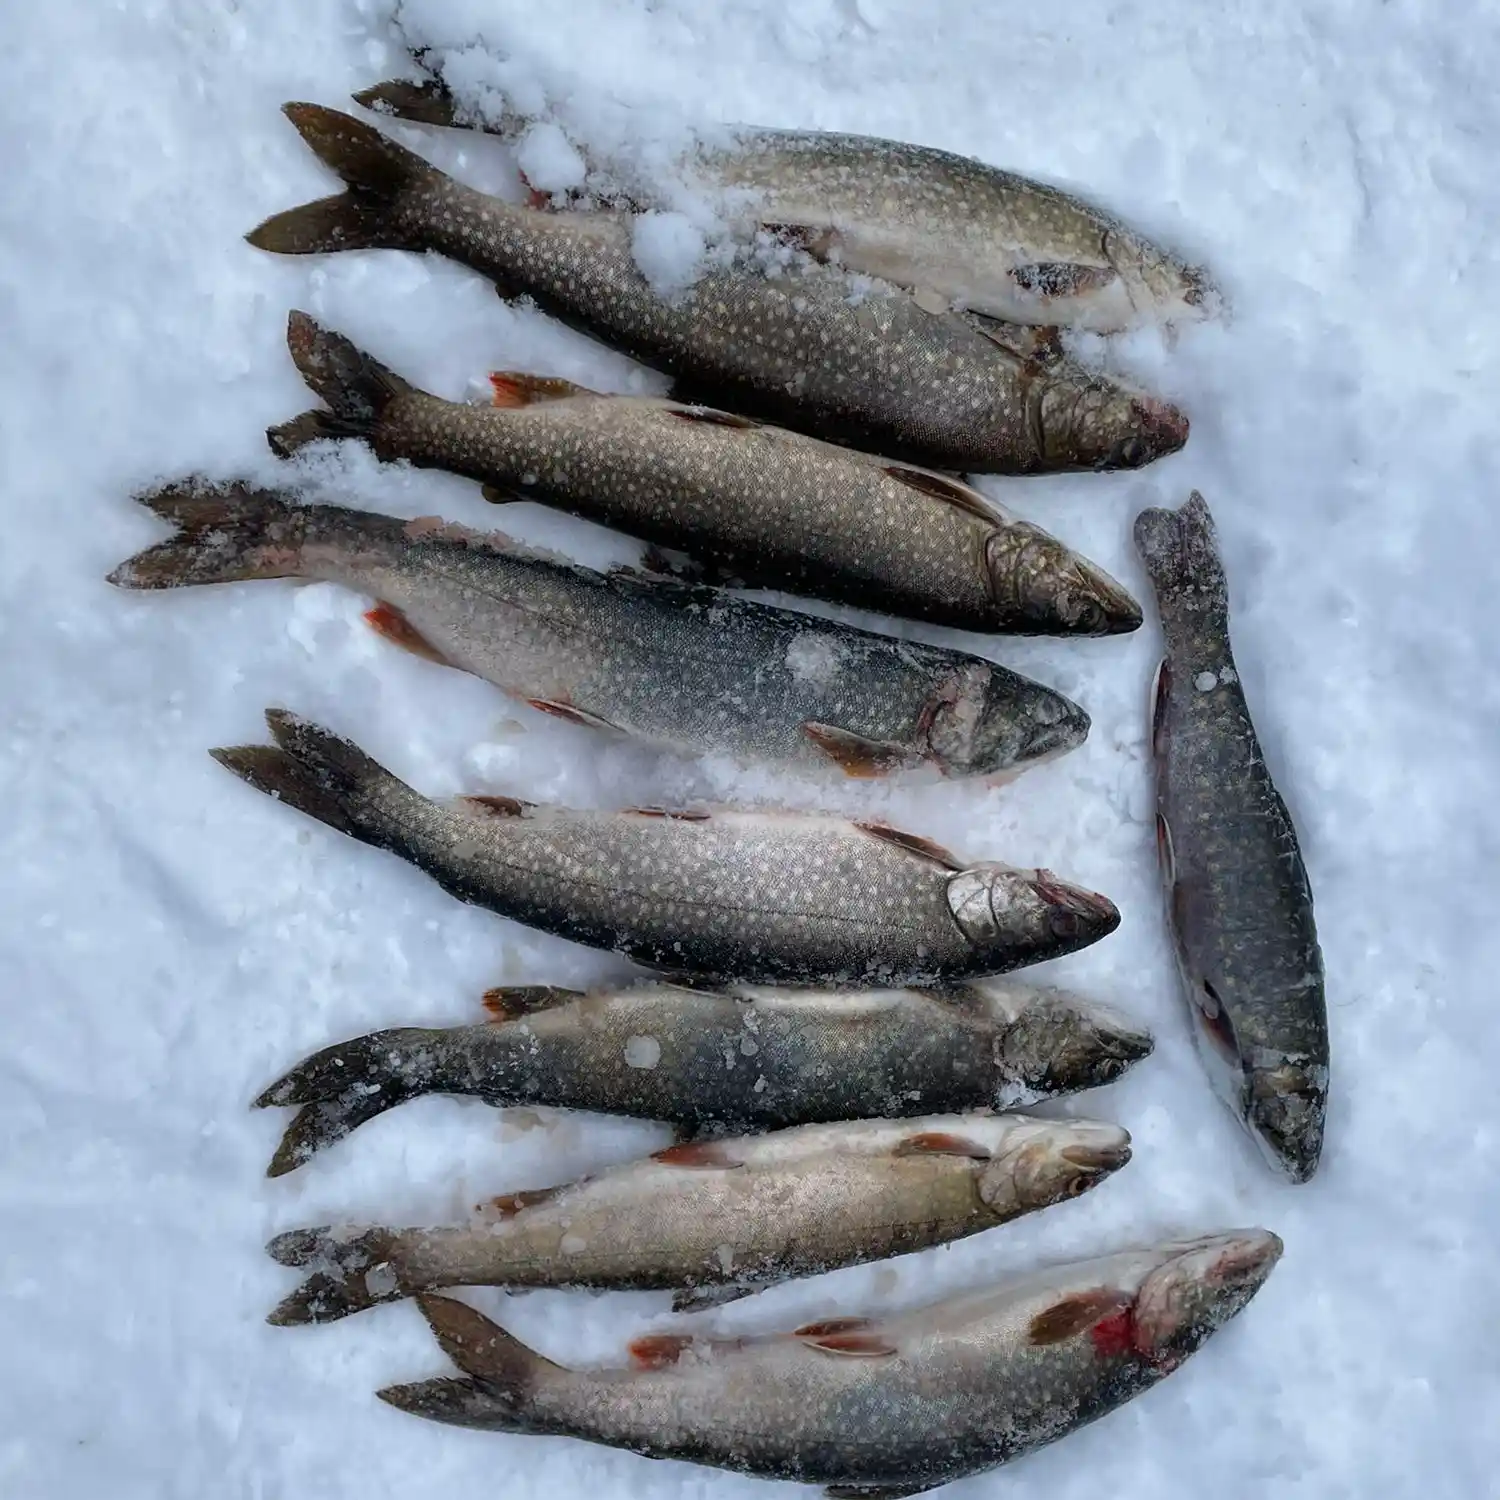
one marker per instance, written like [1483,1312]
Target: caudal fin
[424,102]
[226,533]
[1180,549]
[355,385]
[380,176]
[349,1270]
[343,1086]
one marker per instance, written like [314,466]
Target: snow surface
[172,941]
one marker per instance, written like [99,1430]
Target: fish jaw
[1083,423]
[1042,587]
[1024,916]
[1160,287]
[1050,1161]
[1061,1044]
[986,721]
[1285,1108]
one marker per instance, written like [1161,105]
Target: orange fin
[1075,1313]
[853,754]
[698,1154]
[712,418]
[913,843]
[512,388]
[508,1002]
[388,621]
[496,807]
[939,487]
[855,1337]
[940,1143]
[1060,278]
[659,1351]
[561,710]
[678,814]
[508,1205]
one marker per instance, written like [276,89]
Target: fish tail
[343,1086]
[379,174]
[500,1368]
[226,533]
[355,385]
[427,101]
[350,1271]
[1180,549]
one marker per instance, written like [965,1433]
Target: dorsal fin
[940,488]
[698,1154]
[508,1002]
[858,1338]
[941,1143]
[913,843]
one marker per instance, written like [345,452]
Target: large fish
[761,505]
[716,1220]
[763,897]
[1239,902]
[806,349]
[874,1407]
[722,1061]
[669,663]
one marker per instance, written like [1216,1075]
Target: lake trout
[717,1220]
[725,1061]
[763,897]
[806,349]
[760,506]
[1238,898]
[671,664]
[874,1407]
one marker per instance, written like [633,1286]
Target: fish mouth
[1108,1158]
[1075,913]
[1114,612]
[1066,732]
[1159,429]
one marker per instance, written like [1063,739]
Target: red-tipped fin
[514,389]
[508,1205]
[853,754]
[659,1351]
[388,621]
[510,1002]
[913,843]
[1075,1313]
[857,1338]
[942,488]
[941,1143]
[698,1155]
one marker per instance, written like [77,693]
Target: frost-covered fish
[874,1407]
[946,226]
[722,1061]
[756,896]
[872,368]
[665,662]
[761,505]
[716,1220]
[1239,902]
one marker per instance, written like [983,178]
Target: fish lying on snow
[755,896]
[875,1407]
[805,349]
[672,664]
[1239,902]
[716,1220]
[722,1061]
[952,228]
[763,506]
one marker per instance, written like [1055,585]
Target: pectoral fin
[1056,278]
[388,621]
[853,754]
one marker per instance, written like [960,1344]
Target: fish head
[997,721]
[1161,287]
[1020,917]
[1058,1043]
[1196,1288]
[1082,421]
[1044,1161]
[1284,1108]
[1043,587]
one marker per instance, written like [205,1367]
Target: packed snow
[173,940]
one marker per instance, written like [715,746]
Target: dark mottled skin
[730,1062]
[1240,905]
[877,372]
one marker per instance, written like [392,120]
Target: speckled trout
[875,1407]
[1239,901]
[717,1220]
[722,1061]
[760,506]
[807,349]
[948,227]
[668,663]
[756,896]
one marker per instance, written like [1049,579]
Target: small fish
[877,1407]
[763,506]
[760,897]
[664,662]
[728,1061]
[946,226]
[1238,897]
[806,349]
[717,1220]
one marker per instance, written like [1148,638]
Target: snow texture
[172,940]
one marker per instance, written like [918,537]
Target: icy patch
[551,162]
[642,1052]
[669,249]
[573,1244]
[813,658]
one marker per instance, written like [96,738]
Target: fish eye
[1133,452]
[1064,923]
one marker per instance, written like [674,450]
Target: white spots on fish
[749,1046]
[1206,681]
[642,1052]
[759,1086]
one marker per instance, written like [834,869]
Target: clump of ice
[642,1052]
[551,162]
[669,249]
[813,658]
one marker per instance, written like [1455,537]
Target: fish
[1239,902]
[760,506]
[714,1221]
[809,349]
[879,1405]
[675,665]
[949,227]
[726,1060]
[762,897]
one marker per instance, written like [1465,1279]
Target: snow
[172,941]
